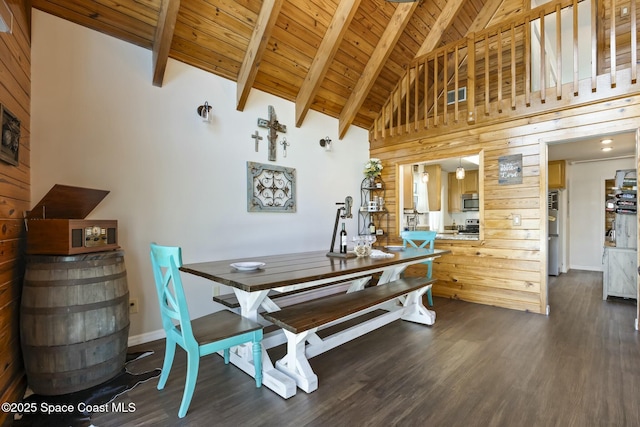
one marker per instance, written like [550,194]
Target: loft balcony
[557,56]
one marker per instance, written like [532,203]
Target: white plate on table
[247,265]
[395,248]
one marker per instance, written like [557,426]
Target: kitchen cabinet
[458,187]
[407,187]
[434,187]
[455,203]
[620,273]
[556,174]
[470,182]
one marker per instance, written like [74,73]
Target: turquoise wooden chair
[200,337]
[427,238]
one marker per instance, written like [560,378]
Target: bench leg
[295,363]
[415,311]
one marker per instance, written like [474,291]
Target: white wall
[586,210]
[98,122]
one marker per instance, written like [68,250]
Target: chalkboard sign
[510,169]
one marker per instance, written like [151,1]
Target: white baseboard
[146,337]
[586,267]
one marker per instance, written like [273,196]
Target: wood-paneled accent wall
[15,194]
[507,266]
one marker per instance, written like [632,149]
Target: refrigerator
[553,250]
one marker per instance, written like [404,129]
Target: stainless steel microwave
[470,202]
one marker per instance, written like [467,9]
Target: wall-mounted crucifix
[273,126]
[284,144]
[257,138]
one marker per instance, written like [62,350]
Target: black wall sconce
[204,111]
[326,143]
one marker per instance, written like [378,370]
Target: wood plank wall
[15,194]
[507,266]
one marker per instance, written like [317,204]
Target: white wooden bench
[300,322]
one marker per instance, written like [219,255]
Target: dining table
[255,279]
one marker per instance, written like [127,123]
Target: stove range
[471,226]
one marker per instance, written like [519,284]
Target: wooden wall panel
[15,94]
[507,266]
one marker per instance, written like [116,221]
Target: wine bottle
[343,240]
[372,228]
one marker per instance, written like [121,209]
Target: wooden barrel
[74,320]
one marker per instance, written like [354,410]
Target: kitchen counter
[457,236]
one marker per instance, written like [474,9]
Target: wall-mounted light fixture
[6,18]
[204,111]
[425,174]
[326,143]
[460,171]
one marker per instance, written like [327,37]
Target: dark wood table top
[291,269]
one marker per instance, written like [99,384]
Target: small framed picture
[10,137]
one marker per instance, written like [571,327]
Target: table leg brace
[295,363]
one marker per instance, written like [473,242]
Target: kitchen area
[442,196]
[592,211]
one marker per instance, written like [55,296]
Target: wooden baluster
[513,66]
[558,53]
[392,131]
[407,100]
[426,93]
[416,85]
[435,90]
[634,42]
[576,65]
[486,74]
[399,106]
[543,60]
[594,46]
[527,62]
[471,78]
[612,43]
[455,83]
[445,88]
[499,44]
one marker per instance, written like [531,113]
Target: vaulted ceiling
[338,57]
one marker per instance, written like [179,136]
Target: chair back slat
[411,237]
[166,262]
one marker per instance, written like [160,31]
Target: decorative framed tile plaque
[270,188]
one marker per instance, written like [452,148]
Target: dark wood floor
[477,366]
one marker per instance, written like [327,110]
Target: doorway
[582,199]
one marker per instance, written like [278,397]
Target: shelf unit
[620,264]
[371,192]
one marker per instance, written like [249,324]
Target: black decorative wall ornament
[10,137]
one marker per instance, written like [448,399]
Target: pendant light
[425,174]
[460,171]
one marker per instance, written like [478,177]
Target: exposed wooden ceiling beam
[485,16]
[442,23]
[162,40]
[383,49]
[322,61]
[257,44]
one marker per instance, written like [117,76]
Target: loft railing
[541,60]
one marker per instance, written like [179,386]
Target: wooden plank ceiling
[339,57]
